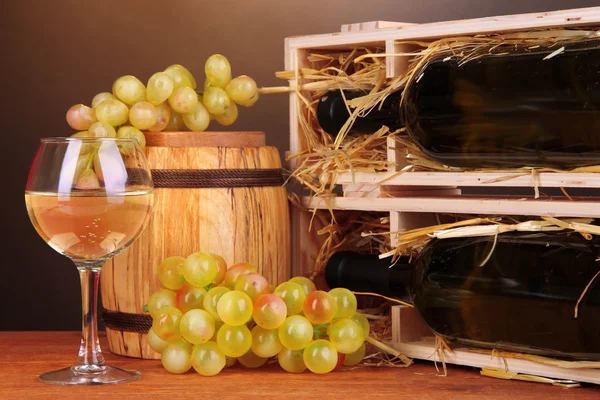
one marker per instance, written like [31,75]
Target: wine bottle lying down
[527,106]
[517,295]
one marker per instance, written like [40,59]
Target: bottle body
[523,298]
[507,110]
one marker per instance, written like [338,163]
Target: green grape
[251,102]
[132,133]
[293,295]
[269,311]
[363,322]
[307,284]
[113,112]
[100,97]
[234,341]
[159,88]
[129,89]
[222,269]
[197,326]
[208,359]
[159,299]
[346,302]
[143,115]
[229,116]
[319,307]
[166,323]
[87,180]
[235,271]
[253,285]
[190,297]
[355,357]
[163,116]
[265,342]
[230,361]
[183,100]
[251,360]
[346,335]
[320,356]
[215,100]
[241,89]
[186,73]
[175,123]
[156,343]
[176,357]
[85,148]
[180,76]
[80,166]
[199,269]
[217,70]
[109,159]
[80,117]
[102,130]
[198,119]
[296,332]
[218,325]
[235,308]
[169,273]
[291,360]
[212,299]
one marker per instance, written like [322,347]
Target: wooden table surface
[24,355]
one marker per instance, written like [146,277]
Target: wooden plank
[25,355]
[470,179]
[413,338]
[295,58]
[465,205]
[369,25]
[503,23]
[205,139]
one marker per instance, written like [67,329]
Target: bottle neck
[367,273]
[332,113]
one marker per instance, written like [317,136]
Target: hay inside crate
[323,158]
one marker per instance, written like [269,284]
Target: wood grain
[25,355]
[240,224]
[205,139]
[414,339]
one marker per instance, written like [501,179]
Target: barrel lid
[205,139]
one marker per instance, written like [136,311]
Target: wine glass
[89,199]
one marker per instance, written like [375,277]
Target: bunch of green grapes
[169,101]
[208,316]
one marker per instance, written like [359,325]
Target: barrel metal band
[216,178]
[127,322]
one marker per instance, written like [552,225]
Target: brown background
[57,53]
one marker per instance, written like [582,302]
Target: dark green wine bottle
[523,298]
[511,110]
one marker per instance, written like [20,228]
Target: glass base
[90,375]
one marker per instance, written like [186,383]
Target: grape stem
[390,350]
[320,330]
[91,159]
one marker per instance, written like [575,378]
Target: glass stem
[90,358]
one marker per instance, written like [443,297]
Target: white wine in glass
[89,199]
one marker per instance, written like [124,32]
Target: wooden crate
[413,198]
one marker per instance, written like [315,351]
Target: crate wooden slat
[414,339]
[462,205]
[472,179]
[501,23]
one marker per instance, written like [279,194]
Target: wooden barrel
[217,192]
